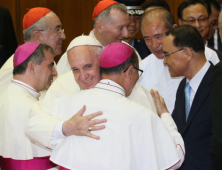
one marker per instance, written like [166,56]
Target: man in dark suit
[135,12]
[8,40]
[216,110]
[183,49]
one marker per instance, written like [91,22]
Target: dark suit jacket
[7,35]
[216,116]
[196,132]
[219,44]
[140,46]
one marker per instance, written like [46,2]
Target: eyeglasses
[193,20]
[140,71]
[165,55]
[58,32]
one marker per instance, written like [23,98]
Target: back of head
[36,57]
[156,3]
[187,3]
[187,36]
[116,57]
[163,14]
[104,15]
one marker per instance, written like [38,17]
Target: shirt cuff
[57,133]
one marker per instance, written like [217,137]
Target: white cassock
[42,123]
[63,65]
[15,103]
[134,138]
[6,75]
[156,76]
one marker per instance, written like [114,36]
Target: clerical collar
[27,87]
[110,85]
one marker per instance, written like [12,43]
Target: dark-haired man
[155,4]
[213,36]
[33,72]
[183,49]
[132,130]
[197,13]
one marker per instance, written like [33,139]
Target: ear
[180,22]
[128,73]
[36,36]
[189,53]
[175,25]
[31,67]
[99,26]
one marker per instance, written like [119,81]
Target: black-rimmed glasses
[165,55]
[140,71]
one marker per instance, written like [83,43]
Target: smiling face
[133,27]
[197,11]
[115,29]
[176,62]
[85,65]
[154,33]
[45,71]
[51,36]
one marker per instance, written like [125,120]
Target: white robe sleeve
[176,137]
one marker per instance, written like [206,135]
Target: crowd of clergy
[113,101]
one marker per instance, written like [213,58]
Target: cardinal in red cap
[34,15]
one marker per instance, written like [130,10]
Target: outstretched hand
[159,102]
[79,125]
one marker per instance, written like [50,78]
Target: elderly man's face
[177,61]
[115,29]
[213,22]
[45,71]
[197,16]
[53,36]
[134,26]
[154,33]
[85,65]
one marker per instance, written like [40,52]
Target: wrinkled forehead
[83,54]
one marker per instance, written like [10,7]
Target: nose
[63,36]
[197,24]
[125,32]
[155,43]
[54,72]
[83,75]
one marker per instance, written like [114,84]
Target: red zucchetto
[34,15]
[103,4]
[115,54]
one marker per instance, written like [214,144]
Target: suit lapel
[200,96]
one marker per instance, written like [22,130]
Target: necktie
[187,99]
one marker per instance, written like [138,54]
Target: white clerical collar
[196,80]
[111,86]
[27,87]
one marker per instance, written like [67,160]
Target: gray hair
[36,57]
[96,49]
[41,24]
[162,13]
[104,15]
